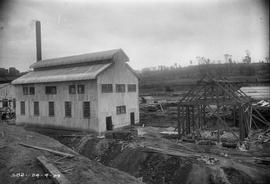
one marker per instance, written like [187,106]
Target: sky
[152,33]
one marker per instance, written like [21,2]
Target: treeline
[7,75]
[163,78]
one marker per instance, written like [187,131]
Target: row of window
[28,90]
[120,88]
[68,107]
[51,109]
[73,89]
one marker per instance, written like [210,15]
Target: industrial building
[96,91]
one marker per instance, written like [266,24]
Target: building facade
[96,91]
[7,96]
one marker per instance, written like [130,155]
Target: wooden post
[179,116]
[218,109]
[241,131]
[199,116]
[187,119]
[193,119]
[184,120]
[234,115]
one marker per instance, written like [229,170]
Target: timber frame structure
[211,95]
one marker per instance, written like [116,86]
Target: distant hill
[176,78]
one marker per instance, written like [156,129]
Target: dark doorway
[132,118]
[109,125]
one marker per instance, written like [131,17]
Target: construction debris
[68,155]
[209,160]
[263,103]
[55,174]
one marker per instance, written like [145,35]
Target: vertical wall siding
[59,120]
[117,74]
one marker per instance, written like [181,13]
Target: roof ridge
[107,55]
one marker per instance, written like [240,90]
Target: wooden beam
[49,150]
[261,116]
[223,122]
[254,116]
[179,127]
[56,175]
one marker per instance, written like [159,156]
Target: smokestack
[38,40]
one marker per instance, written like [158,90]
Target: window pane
[14,103]
[118,110]
[72,89]
[22,108]
[80,89]
[51,108]
[120,88]
[106,88]
[36,108]
[32,90]
[131,87]
[5,103]
[86,109]
[25,90]
[121,109]
[68,109]
[50,89]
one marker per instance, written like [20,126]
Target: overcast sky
[150,32]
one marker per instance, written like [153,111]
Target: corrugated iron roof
[83,58]
[62,74]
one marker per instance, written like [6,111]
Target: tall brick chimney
[38,40]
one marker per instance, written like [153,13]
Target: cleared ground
[153,158]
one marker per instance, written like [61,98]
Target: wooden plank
[57,176]
[49,150]
[266,123]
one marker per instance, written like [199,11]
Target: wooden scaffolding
[212,96]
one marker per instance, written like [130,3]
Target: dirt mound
[153,159]
[15,159]
[237,176]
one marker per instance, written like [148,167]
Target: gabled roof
[62,74]
[107,56]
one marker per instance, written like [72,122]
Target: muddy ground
[153,158]
[18,164]
[142,151]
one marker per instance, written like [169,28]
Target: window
[22,108]
[50,90]
[28,90]
[72,89]
[36,108]
[5,103]
[25,90]
[14,103]
[51,108]
[131,87]
[86,109]
[31,90]
[106,88]
[68,109]
[121,109]
[80,89]
[120,88]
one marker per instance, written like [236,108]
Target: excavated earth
[19,165]
[151,158]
